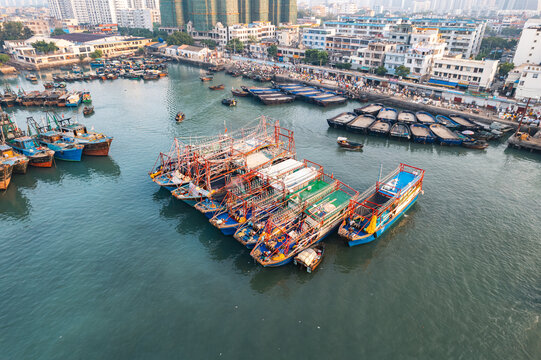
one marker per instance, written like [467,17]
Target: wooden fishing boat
[229,102]
[31,77]
[361,123]
[463,122]
[239,92]
[371,109]
[87,99]
[400,131]
[217,87]
[407,117]
[6,169]
[206,78]
[345,143]
[38,155]
[180,117]
[88,110]
[380,128]
[387,114]
[425,118]
[421,134]
[64,148]
[445,121]
[444,135]
[341,120]
[48,85]
[378,208]
[19,161]
[311,257]
[475,144]
[95,144]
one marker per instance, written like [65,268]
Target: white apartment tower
[529,45]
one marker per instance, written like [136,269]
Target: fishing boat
[217,87]
[444,135]
[180,116]
[345,143]
[239,92]
[341,120]
[48,85]
[19,162]
[421,134]
[64,148]
[206,78]
[88,110]
[229,102]
[371,109]
[6,169]
[311,257]
[32,78]
[462,122]
[425,118]
[475,144]
[95,144]
[387,114]
[378,208]
[380,127]
[407,117]
[9,98]
[38,155]
[361,123]
[73,100]
[86,97]
[400,131]
[445,121]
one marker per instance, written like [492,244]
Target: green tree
[44,47]
[511,31]
[14,30]
[380,70]
[272,51]
[316,57]
[4,58]
[58,31]
[235,45]
[504,68]
[211,44]
[401,71]
[96,54]
[180,38]
[343,66]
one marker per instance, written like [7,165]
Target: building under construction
[204,14]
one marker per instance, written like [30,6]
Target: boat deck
[328,204]
[310,190]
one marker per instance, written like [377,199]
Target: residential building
[288,54]
[420,57]
[529,46]
[135,18]
[85,11]
[346,45]
[309,21]
[288,36]
[244,32]
[373,56]
[193,52]
[204,15]
[112,46]
[38,26]
[466,73]
[529,83]
[316,38]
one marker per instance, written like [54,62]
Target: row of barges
[47,98]
[420,127]
[54,138]
[250,185]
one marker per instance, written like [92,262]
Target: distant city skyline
[444,4]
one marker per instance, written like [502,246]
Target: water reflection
[513,154]
[13,203]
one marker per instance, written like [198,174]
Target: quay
[525,141]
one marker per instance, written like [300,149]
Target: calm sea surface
[96,262]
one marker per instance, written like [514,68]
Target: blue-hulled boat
[425,118]
[444,135]
[421,134]
[38,155]
[382,205]
[387,114]
[445,121]
[65,148]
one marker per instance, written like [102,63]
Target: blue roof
[442,82]
[352,23]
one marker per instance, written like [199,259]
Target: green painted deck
[309,190]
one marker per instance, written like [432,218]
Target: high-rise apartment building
[205,14]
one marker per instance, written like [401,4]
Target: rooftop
[80,37]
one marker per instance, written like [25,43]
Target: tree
[44,47]
[14,30]
[316,57]
[4,58]
[180,38]
[272,51]
[235,45]
[96,54]
[504,68]
[401,71]
[381,70]
[58,31]
[211,44]
[343,66]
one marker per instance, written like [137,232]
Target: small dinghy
[229,102]
[217,87]
[239,92]
[311,257]
[206,78]
[88,110]
[400,131]
[180,116]
[475,144]
[345,143]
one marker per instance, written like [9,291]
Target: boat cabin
[25,142]
[6,151]
[51,137]
[75,129]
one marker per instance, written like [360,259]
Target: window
[535,76]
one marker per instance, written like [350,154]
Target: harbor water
[96,262]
